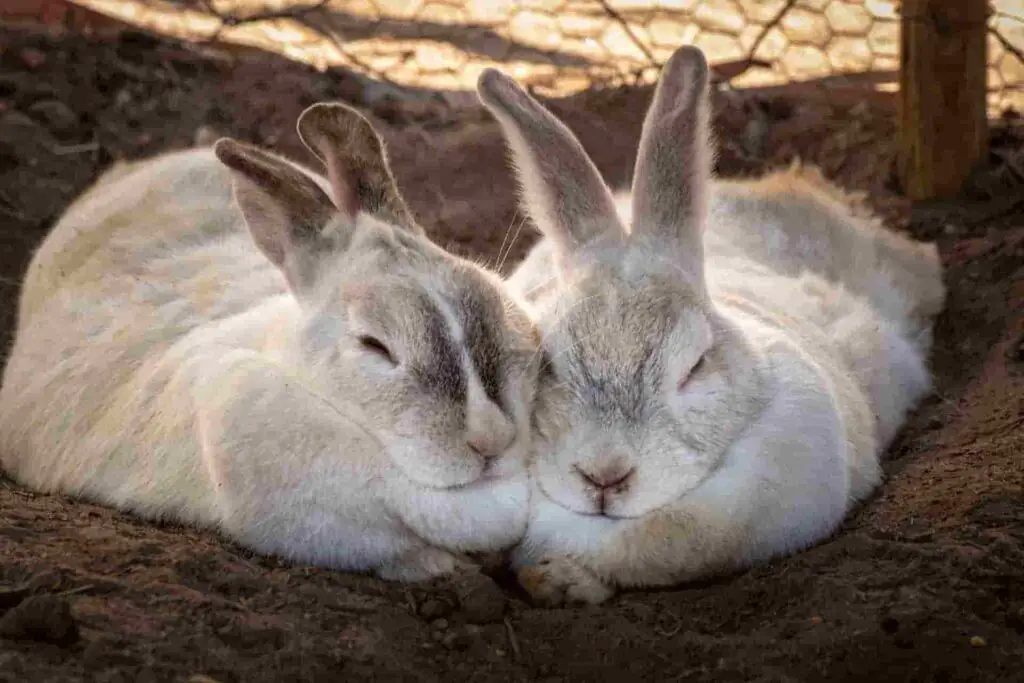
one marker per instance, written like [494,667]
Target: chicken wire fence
[560,47]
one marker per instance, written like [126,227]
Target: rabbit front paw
[421,564]
[555,581]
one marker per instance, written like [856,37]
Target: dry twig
[1007,45]
[772,23]
[621,20]
[293,12]
[513,640]
[300,14]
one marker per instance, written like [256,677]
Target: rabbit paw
[558,581]
[421,564]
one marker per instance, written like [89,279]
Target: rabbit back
[131,208]
[872,292]
[135,265]
[795,221]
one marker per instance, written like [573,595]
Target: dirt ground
[925,583]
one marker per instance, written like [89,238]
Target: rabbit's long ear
[357,164]
[673,166]
[562,190]
[286,211]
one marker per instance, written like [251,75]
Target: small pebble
[15,123]
[457,640]
[57,115]
[32,58]
[431,609]
[916,532]
[440,624]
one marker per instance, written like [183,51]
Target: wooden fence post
[943,125]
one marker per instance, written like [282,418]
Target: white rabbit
[723,366]
[313,377]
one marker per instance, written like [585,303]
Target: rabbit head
[643,385]
[438,359]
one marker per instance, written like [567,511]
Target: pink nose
[484,446]
[605,477]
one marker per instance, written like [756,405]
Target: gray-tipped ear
[673,166]
[285,210]
[356,160]
[562,190]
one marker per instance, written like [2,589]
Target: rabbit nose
[483,445]
[491,437]
[489,431]
[605,477]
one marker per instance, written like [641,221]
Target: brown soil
[926,583]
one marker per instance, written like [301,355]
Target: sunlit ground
[563,46]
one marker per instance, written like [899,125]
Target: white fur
[814,323]
[162,366]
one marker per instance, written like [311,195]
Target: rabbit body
[164,366]
[725,360]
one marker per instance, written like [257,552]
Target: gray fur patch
[611,378]
[440,368]
[623,390]
[482,325]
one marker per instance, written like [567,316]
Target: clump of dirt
[925,583]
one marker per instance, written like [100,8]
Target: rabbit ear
[285,210]
[673,166]
[356,160]
[562,190]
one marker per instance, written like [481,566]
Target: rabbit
[717,380]
[222,337]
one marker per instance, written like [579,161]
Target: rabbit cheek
[419,442]
[563,486]
[429,464]
[657,484]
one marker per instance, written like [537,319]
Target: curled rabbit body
[718,381]
[223,337]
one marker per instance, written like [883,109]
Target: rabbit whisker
[511,243]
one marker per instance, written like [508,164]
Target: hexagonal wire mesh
[563,46]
